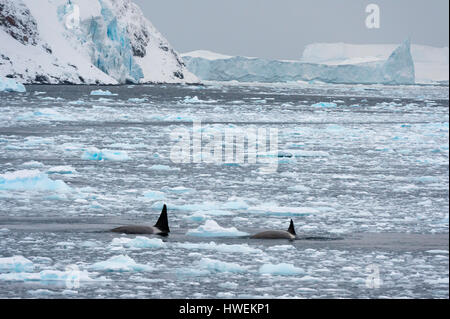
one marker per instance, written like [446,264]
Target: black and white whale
[277,234]
[160,228]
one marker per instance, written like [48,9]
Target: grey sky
[280,29]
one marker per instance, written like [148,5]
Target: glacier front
[397,69]
[84,42]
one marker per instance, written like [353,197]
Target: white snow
[114,43]
[204,54]
[212,229]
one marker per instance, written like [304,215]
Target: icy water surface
[363,172]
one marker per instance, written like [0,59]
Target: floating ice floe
[324,104]
[102,93]
[9,85]
[211,208]
[138,242]
[212,265]
[196,100]
[163,168]
[275,209]
[225,248]
[15,264]
[50,276]
[137,100]
[212,229]
[43,114]
[31,180]
[61,170]
[33,164]
[299,188]
[204,215]
[177,190]
[94,154]
[120,263]
[154,195]
[282,269]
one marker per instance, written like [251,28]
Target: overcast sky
[280,29]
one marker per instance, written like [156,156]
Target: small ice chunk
[154,195]
[138,242]
[33,164]
[163,168]
[61,170]
[94,154]
[101,92]
[213,265]
[225,248]
[121,263]
[31,180]
[15,264]
[9,85]
[177,190]
[212,229]
[324,104]
[280,269]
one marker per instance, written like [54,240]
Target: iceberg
[431,64]
[398,68]
[9,85]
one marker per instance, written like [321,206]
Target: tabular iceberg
[431,64]
[397,69]
[84,42]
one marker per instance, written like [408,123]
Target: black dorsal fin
[291,228]
[163,223]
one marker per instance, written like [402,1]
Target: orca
[277,234]
[160,228]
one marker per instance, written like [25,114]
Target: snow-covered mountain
[431,63]
[84,41]
[398,68]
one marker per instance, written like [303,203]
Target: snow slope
[431,63]
[398,68]
[112,43]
